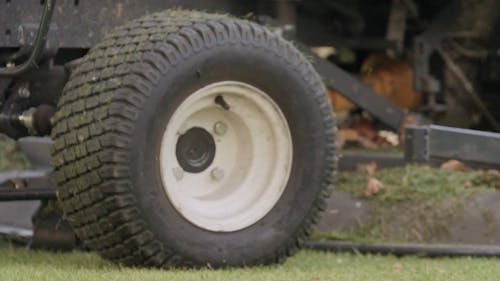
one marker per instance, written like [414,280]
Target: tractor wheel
[190,139]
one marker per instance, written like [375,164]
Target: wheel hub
[195,150]
[226,156]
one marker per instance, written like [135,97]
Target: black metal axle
[27,194]
[26,185]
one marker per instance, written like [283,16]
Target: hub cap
[195,150]
[226,156]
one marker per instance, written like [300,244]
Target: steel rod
[27,194]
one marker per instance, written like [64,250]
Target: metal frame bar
[360,94]
[28,194]
[26,185]
[355,90]
[437,143]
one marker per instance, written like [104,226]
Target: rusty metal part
[393,79]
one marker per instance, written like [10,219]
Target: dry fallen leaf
[495,175]
[371,168]
[454,165]
[333,211]
[373,186]
[398,267]
[11,148]
[362,132]
[489,178]
[389,137]
[468,184]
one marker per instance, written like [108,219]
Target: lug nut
[220,128]
[217,174]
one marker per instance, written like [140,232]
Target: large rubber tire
[110,122]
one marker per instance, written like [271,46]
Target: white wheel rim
[252,162]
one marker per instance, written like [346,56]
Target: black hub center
[195,150]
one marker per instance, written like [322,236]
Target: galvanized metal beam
[430,143]
[360,93]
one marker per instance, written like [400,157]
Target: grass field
[20,264]
[10,157]
[414,183]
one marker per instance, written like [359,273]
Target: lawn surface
[20,264]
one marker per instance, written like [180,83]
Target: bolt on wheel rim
[250,164]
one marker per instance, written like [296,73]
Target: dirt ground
[416,204]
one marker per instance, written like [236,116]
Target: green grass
[416,183]
[16,264]
[10,157]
